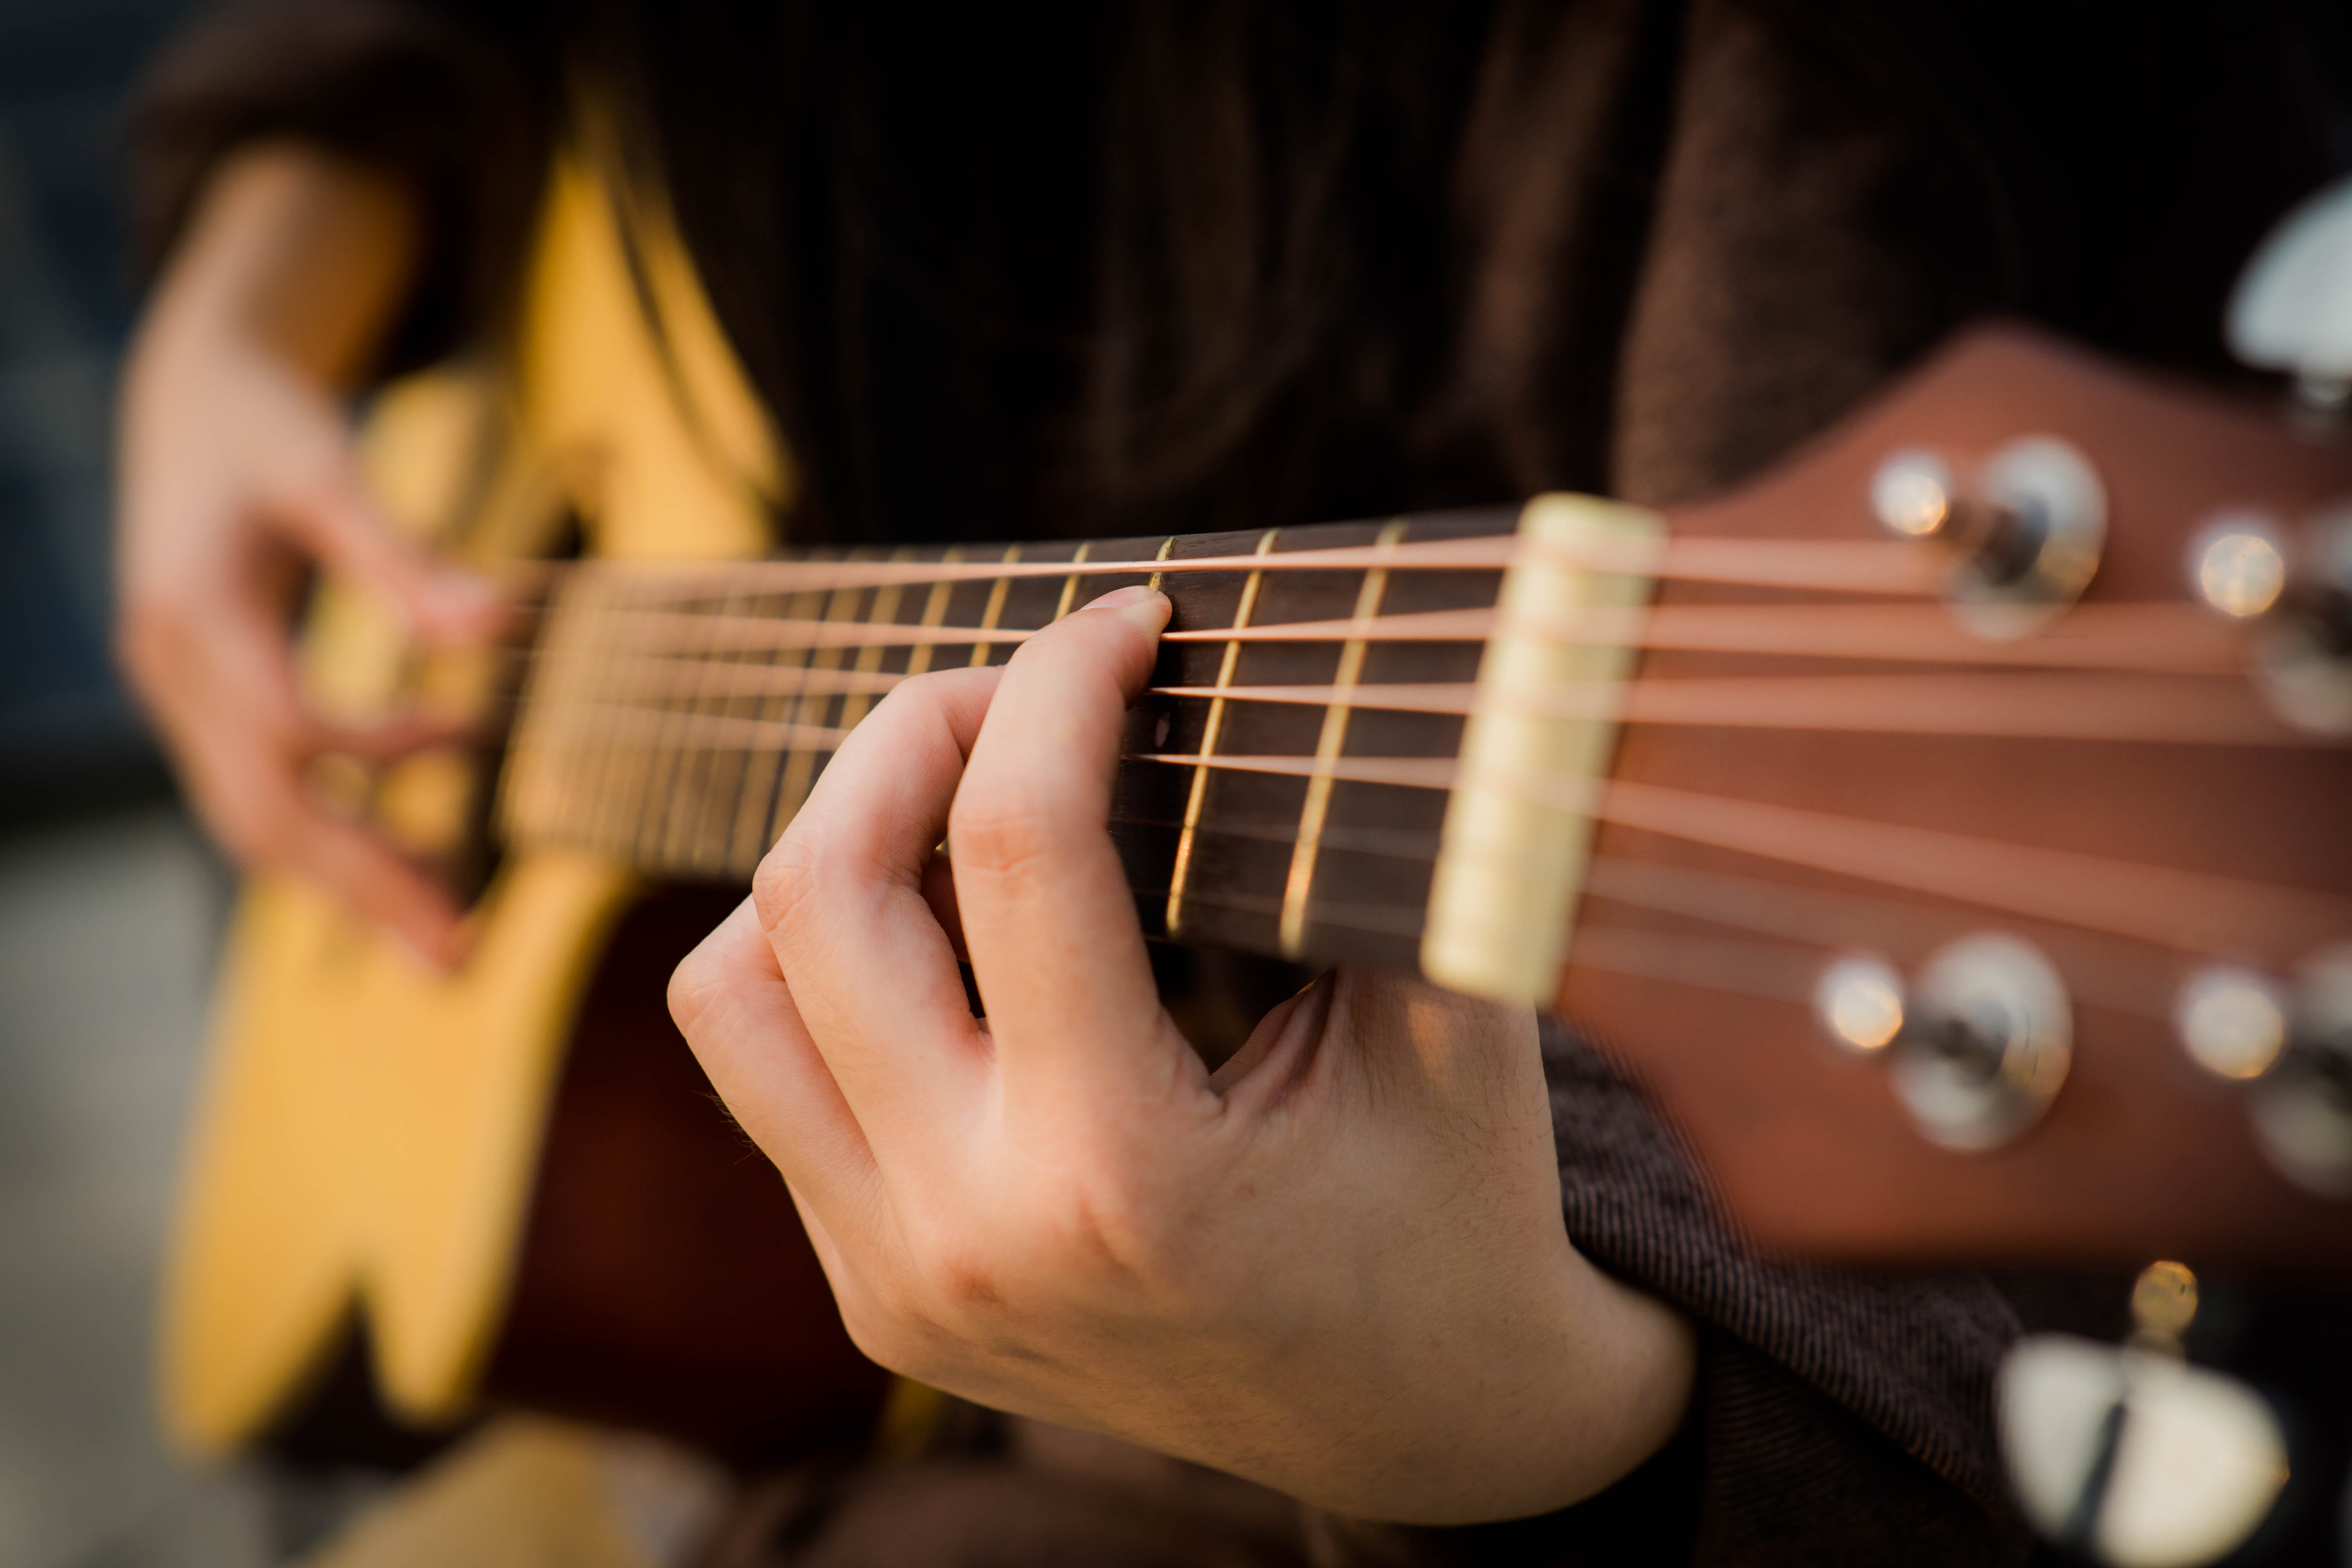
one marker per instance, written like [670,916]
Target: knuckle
[1108,1231]
[1002,831]
[785,887]
[891,1328]
[928,690]
[965,1282]
[691,985]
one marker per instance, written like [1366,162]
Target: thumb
[334,519]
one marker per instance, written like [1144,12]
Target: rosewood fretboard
[678,718]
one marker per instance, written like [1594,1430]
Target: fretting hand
[1336,1264]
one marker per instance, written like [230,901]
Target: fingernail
[1147,607]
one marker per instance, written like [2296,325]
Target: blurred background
[110,904]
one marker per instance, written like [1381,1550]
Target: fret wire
[1167,548]
[621,777]
[935,609]
[757,816]
[857,701]
[800,761]
[1199,789]
[538,793]
[995,610]
[665,756]
[578,747]
[687,815]
[723,814]
[1070,583]
[1301,884]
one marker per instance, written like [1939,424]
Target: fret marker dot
[1159,732]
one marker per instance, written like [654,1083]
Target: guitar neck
[1990,820]
[1285,785]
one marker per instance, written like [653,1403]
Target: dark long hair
[1188,264]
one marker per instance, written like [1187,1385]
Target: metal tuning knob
[1976,1047]
[2302,1107]
[2293,1045]
[2027,528]
[2302,655]
[2291,310]
[2131,1456]
[2231,1022]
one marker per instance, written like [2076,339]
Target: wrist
[293,256]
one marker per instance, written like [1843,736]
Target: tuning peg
[2237,562]
[2304,657]
[2291,310]
[1860,1002]
[2302,1107]
[2231,1022]
[1976,1047]
[2130,1455]
[1913,494]
[2026,528]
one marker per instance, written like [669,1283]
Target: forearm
[293,253]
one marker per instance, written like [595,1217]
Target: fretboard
[1285,783]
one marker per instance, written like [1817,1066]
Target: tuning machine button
[1976,1047]
[1859,1001]
[2231,1022]
[2131,1456]
[2028,527]
[2293,1046]
[2302,655]
[1913,494]
[2302,1107]
[2237,562]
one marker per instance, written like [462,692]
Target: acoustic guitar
[1948,829]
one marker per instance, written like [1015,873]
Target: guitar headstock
[2004,918]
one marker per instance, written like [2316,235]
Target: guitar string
[2166,906]
[963,637]
[2156,707]
[1842,566]
[2154,637]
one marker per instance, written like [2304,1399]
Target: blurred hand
[1336,1264]
[237,476]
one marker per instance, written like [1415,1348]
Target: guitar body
[513,1176]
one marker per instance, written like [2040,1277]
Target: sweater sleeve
[1838,1417]
[456,104]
